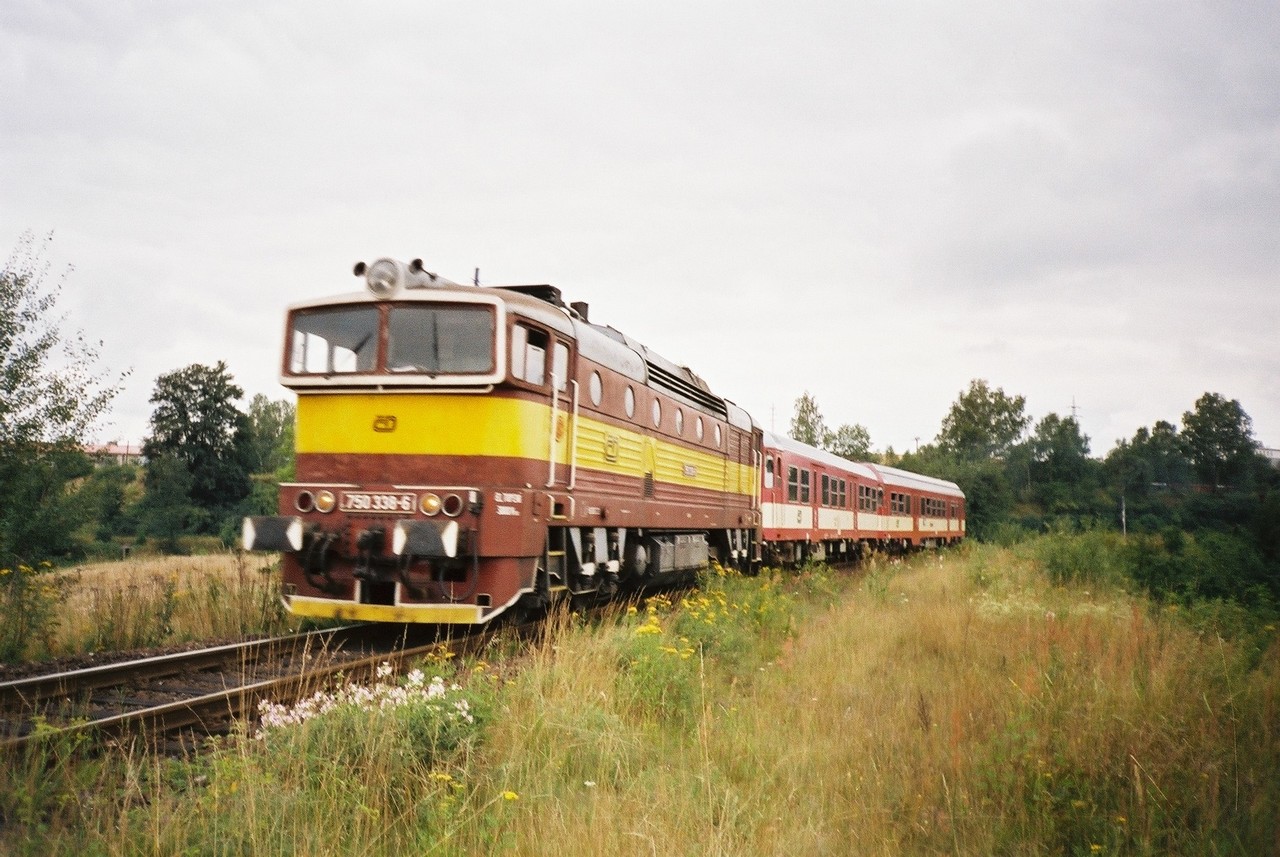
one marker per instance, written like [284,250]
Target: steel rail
[25,693]
[207,710]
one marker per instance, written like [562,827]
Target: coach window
[768,471]
[629,401]
[679,421]
[804,486]
[826,490]
[528,354]
[793,484]
[597,389]
[560,366]
[657,413]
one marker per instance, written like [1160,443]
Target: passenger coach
[819,506]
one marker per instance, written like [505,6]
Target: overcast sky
[873,201]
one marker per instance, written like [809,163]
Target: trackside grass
[955,704]
[136,603]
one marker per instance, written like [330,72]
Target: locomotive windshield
[440,339]
[425,339]
[334,341]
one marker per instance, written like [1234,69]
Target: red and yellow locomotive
[463,451]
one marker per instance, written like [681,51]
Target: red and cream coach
[817,506]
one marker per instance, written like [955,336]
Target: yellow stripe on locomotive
[500,426]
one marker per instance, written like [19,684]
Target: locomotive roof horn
[385,278]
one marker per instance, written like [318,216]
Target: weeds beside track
[960,704]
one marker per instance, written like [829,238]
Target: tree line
[207,462]
[1193,496]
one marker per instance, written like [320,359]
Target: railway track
[203,690]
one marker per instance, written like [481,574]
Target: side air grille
[682,389]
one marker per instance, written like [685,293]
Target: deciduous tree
[1219,438]
[807,425]
[1155,456]
[271,425]
[197,423]
[51,396]
[983,423]
[849,441]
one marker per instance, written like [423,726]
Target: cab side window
[529,355]
[560,366]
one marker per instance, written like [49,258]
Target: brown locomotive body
[463,451]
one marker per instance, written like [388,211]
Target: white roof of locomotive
[603,344]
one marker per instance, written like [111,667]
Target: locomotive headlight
[325,501]
[385,277]
[430,504]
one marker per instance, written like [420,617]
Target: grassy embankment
[136,603]
[959,705]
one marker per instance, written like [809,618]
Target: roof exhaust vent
[580,307]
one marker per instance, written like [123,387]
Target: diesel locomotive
[462,451]
[467,451]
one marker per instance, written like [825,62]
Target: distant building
[1272,455]
[115,453]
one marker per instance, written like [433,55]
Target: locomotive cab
[380,524]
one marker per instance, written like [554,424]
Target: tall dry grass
[148,602]
[959,705]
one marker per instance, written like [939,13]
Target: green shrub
[29,601]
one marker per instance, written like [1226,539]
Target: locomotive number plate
[378,501]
